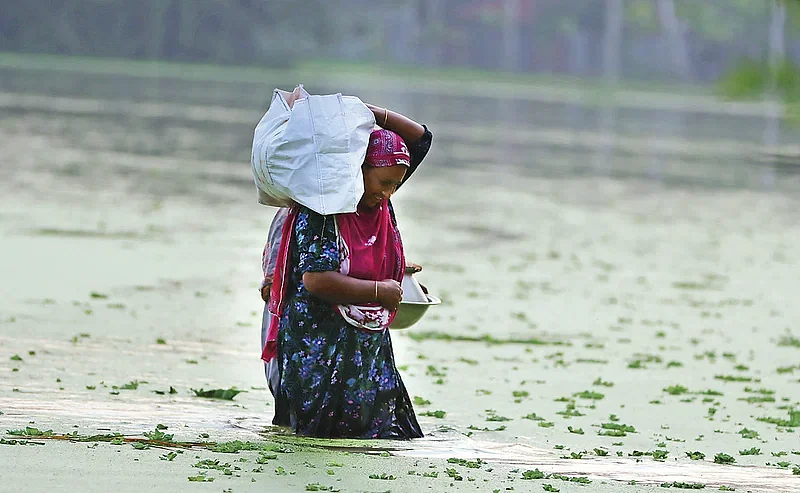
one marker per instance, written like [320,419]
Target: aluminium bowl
[410,312]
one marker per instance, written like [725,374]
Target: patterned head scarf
[386,148]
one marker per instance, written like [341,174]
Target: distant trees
[678,39]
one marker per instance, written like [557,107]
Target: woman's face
[380,183]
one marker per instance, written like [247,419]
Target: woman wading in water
[335,290]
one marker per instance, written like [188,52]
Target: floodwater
[634,265]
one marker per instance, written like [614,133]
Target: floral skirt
[338,381]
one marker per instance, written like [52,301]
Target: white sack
[311,151]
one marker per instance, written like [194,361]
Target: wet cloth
[269,258]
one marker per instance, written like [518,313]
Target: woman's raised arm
[404,126]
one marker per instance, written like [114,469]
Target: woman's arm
[405,127]
[338,288]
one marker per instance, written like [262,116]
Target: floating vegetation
[434,372]
[722,458]
[750,451]
[733,378]
[696,455]
[676,390]
[3,441]
[658,455]
[757,399]
[201,478]
[571,411]
[588,394]
[434,414]
[487,338]
[419,401]
[319,487]
[237,446]
[615,430]
[473,464]
[215,465]
[748,434]
[682,485]
[224,394]
[535,474]
[491,415]
[30,432]
[475,428]
[792,422]
[789,341]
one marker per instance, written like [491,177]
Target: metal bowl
[410,312]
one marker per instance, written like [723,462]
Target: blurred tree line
[686,40]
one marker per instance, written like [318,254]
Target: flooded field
[617,289]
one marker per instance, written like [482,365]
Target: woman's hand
[412,268]
[265,292]
[389,294]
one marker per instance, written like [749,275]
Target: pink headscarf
[386,148]
[370,248]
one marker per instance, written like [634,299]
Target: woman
[336,289]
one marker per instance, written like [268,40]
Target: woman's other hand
[389,294]
[265,292]
[412,268]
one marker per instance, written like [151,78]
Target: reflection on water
[703,146]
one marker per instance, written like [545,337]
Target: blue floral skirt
[336,380]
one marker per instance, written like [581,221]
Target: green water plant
[486,338]
[793,421]
[683,486]
[722,458]
[491,415]
[201,478]
[223,394]
[535,474]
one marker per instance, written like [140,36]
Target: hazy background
[666,40]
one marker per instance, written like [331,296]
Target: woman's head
[384,167]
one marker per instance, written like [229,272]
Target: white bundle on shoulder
[309,150]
